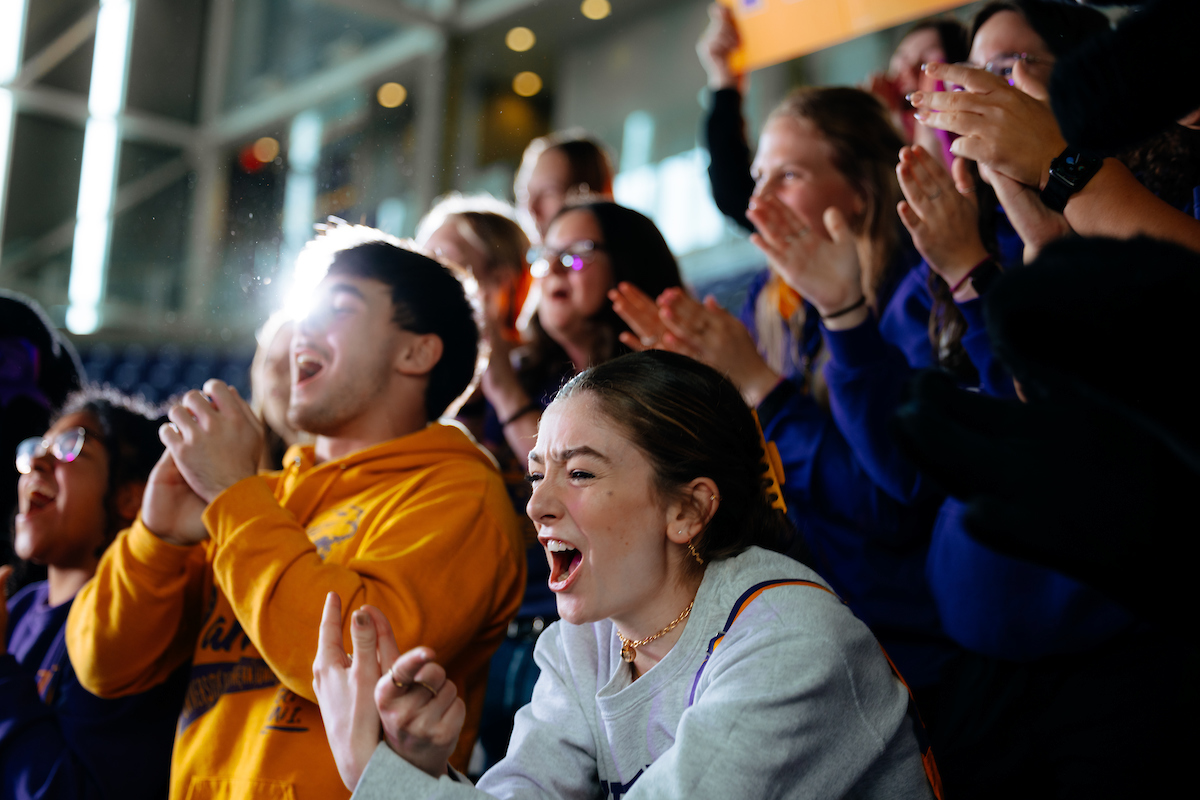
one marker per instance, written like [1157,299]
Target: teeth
[555,546]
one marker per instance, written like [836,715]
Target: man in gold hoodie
[231,568]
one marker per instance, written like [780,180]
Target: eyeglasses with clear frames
[575,257]
[66,447]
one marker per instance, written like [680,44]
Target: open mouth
[307,368]
[39,500]
[564,562]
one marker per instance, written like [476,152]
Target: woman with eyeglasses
[588,248]
[1039,646]
[80,484]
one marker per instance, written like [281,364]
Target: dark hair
[129,432]
[1168,164]
[866,148]
[638,255]
[951,33]
[1062,26]
[427,297]
[691,422]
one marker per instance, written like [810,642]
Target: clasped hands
[376,693]
[213,440]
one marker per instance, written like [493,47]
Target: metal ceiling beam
[58,50]
[377,60]
[134,193]
[134,124]
[480,13]
[387,10]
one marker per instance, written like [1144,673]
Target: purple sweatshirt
[987,602]
[57,740]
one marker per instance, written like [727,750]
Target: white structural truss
[204,146]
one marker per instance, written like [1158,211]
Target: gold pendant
[628,652]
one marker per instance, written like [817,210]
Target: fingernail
[752,206]
[908,98]
[360,619]
[920,116]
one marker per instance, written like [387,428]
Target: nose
[762,187]
[543,506]
[42,461]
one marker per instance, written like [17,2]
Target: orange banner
[777,30]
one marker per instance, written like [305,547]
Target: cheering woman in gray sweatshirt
[691,661]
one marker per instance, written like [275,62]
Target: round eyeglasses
[575,257]
[65,447]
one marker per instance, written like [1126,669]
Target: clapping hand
[822,265]
[1010,129]
[941,213]
[214,438]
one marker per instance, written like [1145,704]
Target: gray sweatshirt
[796,700]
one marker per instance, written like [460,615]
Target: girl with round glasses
[588,248]
[80,484]
[691,660]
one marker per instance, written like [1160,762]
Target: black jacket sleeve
[729,156]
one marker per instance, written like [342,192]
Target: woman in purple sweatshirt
[79,485]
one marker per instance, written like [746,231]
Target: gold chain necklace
[629,647]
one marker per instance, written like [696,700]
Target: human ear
[691,514]
[419,353]
[129,501]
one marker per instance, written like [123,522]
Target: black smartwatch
[1069,173]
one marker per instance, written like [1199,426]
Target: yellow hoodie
[420,526]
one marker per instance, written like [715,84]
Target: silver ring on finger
[649,341]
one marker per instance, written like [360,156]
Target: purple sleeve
[1008,608]
[821,474]
[77,745]
[994,379]
[867,379]
[35,758]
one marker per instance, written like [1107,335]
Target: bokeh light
[596,9]
[520,39]
[266,149]
[527,84]
[391,95]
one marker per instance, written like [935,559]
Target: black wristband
[862,301]
[1069,173]
[522,412]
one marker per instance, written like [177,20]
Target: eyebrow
[569,453]
[347,288]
